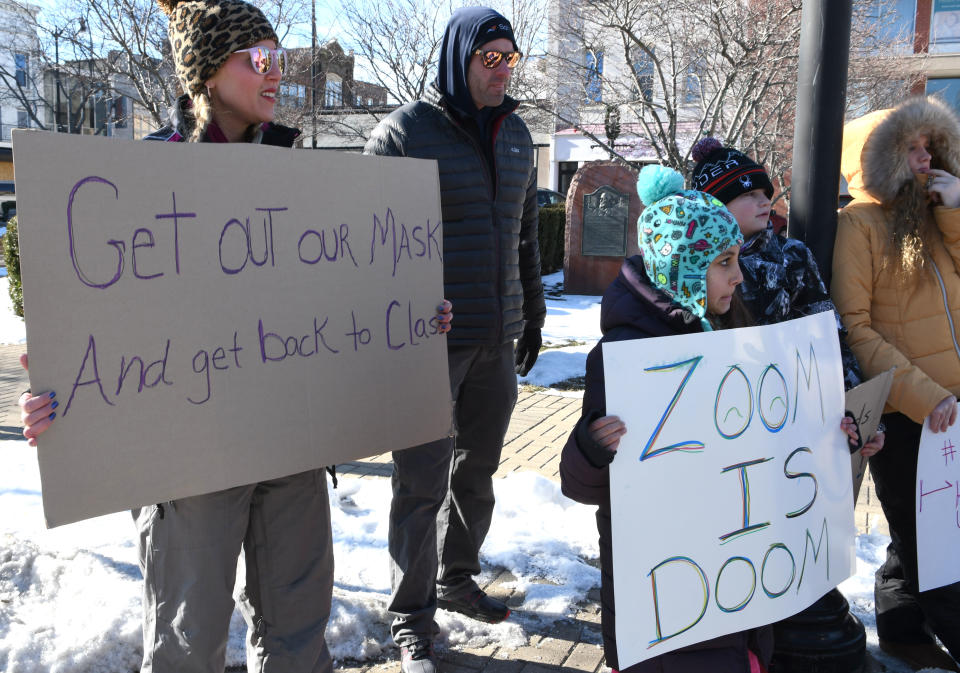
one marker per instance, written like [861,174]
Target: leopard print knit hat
[203,34]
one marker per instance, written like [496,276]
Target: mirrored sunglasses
[492,58]
[263,58]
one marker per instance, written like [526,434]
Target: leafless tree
[705,67]
[398,41]
[26,79]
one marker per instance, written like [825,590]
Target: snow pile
[571,330]
[70,596]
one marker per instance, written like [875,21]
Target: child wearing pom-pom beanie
[780,277]
[781,280]
[684,281]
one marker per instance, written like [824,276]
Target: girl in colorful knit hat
[229,65]
[685,280]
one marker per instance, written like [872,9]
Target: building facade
[323,100]
[936,28]
[20,95]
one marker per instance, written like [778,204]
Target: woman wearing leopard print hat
[229,65]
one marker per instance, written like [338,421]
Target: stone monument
[602,212]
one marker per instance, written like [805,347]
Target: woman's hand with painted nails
[36,413]
[444,317]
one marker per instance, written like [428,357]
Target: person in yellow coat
[896,284]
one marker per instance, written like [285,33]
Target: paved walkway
[538,429]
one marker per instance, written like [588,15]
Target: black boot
[477,605]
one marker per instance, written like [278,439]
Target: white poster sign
[731,492]
[938,507]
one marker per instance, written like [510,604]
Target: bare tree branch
[705,67]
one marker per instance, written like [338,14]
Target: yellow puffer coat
[912,325]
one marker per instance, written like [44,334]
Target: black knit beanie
[725,172]
[493,29]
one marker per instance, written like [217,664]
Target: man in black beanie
[443,491]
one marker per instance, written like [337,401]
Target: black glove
[854,444]
[528,348]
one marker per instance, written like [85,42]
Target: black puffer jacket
[491,263]
[633,309]
[180,126]
[781,281]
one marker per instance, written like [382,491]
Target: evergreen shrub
[551,237]
[11,256]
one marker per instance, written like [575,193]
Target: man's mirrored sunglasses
[491,58]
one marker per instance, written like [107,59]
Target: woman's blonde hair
[202,115]
[911,229]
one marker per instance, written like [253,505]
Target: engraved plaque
[605,214]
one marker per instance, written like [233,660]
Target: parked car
[548,197]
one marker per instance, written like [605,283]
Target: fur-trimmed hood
[874,159]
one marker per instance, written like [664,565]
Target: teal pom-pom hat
[680,232]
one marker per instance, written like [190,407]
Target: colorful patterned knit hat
[725,172]
[203,34]
[680,232]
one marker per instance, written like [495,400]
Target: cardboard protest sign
[938,507]
[866,403]
[731,493]
[216,315]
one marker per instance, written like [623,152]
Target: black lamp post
[824,638]
[93,99]
[56,74]
[818,133]
[313,75]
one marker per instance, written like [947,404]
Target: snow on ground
[571,330]
[70,596]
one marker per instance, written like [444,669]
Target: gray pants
[443,492]
[188,556]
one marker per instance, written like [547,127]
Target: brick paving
[538,429]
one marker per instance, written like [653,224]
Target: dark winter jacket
[633,309]
[180,126]
[781,281]
[491,263]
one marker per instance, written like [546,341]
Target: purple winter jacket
[633,309]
